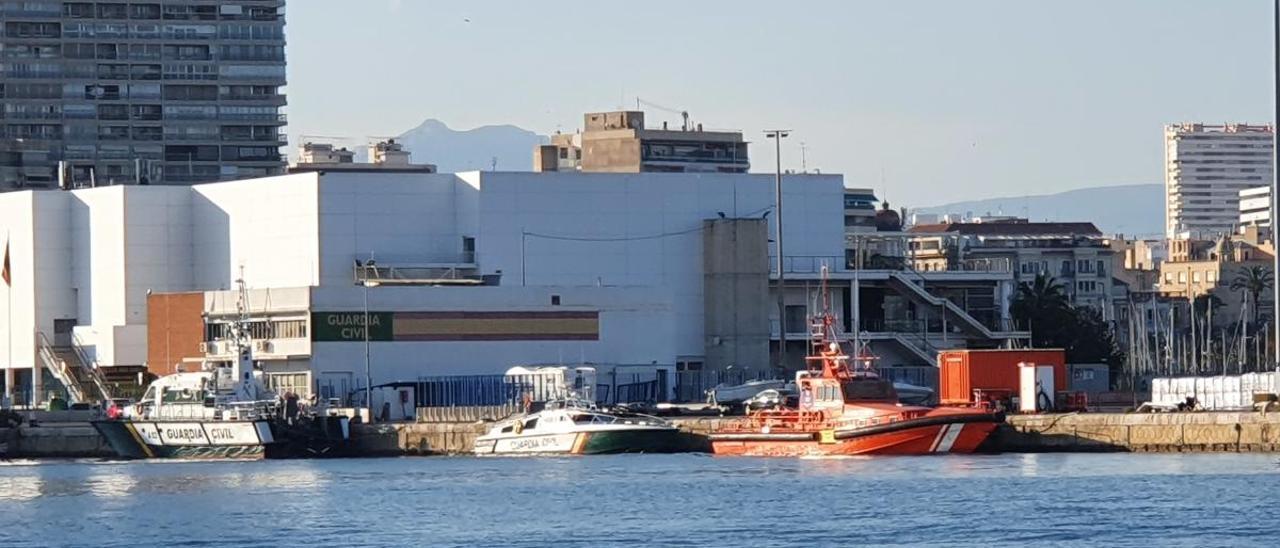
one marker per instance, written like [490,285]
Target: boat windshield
[866,389]
[593,418]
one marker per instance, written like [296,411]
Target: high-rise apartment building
[161,92]
[1206,167]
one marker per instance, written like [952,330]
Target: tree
[1042,306]
[1088,338]
[1253,281]
[1093,340]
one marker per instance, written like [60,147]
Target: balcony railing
[808,264]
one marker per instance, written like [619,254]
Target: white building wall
[635,329]
[93,254]
[397,218]
[124,241]
[267,226]
[17,341]
[641,229]
[52,255]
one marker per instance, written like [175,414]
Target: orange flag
[4,273]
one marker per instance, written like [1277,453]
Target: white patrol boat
[223,411]
[575,426]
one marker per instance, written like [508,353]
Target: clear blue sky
[941,100]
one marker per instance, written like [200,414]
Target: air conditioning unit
[261,346]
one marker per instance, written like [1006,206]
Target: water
[677,500]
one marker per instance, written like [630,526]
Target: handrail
[59,369]
[92,367]
[946,303]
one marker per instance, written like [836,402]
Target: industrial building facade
[517,268]
[171,92]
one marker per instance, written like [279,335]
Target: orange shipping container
[960,372]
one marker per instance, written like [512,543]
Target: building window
[289,383]
[555,300]
[1195,277]
[1182,277]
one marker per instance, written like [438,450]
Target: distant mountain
[1132,210]
[452,150]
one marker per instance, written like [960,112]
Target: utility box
[1035,387]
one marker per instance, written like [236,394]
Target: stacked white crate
[1219,392]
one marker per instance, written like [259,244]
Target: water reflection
[119,483]
[20,488]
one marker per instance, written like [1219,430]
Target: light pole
[1275,184]
[777,135]
[368,370]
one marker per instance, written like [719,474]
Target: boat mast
[245,387]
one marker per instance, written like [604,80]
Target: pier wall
[1165,432]
[54,440]
[1086,432]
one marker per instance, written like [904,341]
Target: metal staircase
[902,281]
[83,381]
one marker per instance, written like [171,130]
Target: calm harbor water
[678,500]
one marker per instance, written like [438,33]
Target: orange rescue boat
[850,410]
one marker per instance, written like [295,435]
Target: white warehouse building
[469,273]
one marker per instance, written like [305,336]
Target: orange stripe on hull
[578,442]
[922,440]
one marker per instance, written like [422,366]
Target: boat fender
[518,427]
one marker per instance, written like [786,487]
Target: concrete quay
[1071,432]
[68,440]
[1154,432]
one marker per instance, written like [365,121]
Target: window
[1182,277]
[555,300]
[1195,277]
[290,383]
[1211,276]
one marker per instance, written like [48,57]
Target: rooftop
[1010,229]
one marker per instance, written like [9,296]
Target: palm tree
[1253,281]
[1045,293]
[1042,305]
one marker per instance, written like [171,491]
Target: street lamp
[368,370]
[777,135]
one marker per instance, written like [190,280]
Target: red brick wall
[175,329]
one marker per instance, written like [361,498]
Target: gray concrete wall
[736,293]
[1177,432]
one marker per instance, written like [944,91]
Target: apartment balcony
[31,11]
[272,100]
[265,139]
[191,137]
[266,118]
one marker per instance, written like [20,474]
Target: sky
[926,101]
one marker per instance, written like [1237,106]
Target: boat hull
[923,436]
[602,442]
[315,437]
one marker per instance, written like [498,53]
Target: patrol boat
[223,411]
[846,408]
[577,427]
